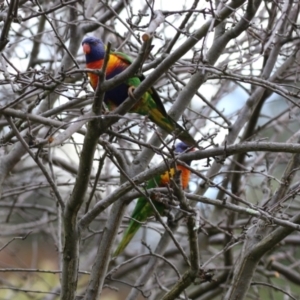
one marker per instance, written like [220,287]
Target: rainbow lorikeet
[143,209]
[149,105]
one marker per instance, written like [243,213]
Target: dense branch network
[70,169]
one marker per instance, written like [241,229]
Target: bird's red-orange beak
[86,48]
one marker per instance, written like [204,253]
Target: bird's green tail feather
[184,136]
[171,127]
[128,235]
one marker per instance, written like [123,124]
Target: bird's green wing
[154,95]
[136,81]
[124,57]
[151,105]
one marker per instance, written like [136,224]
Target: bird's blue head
[183,147]
[93,49]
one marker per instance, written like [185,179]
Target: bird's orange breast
[95,65]
[185,176]
[114,67]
